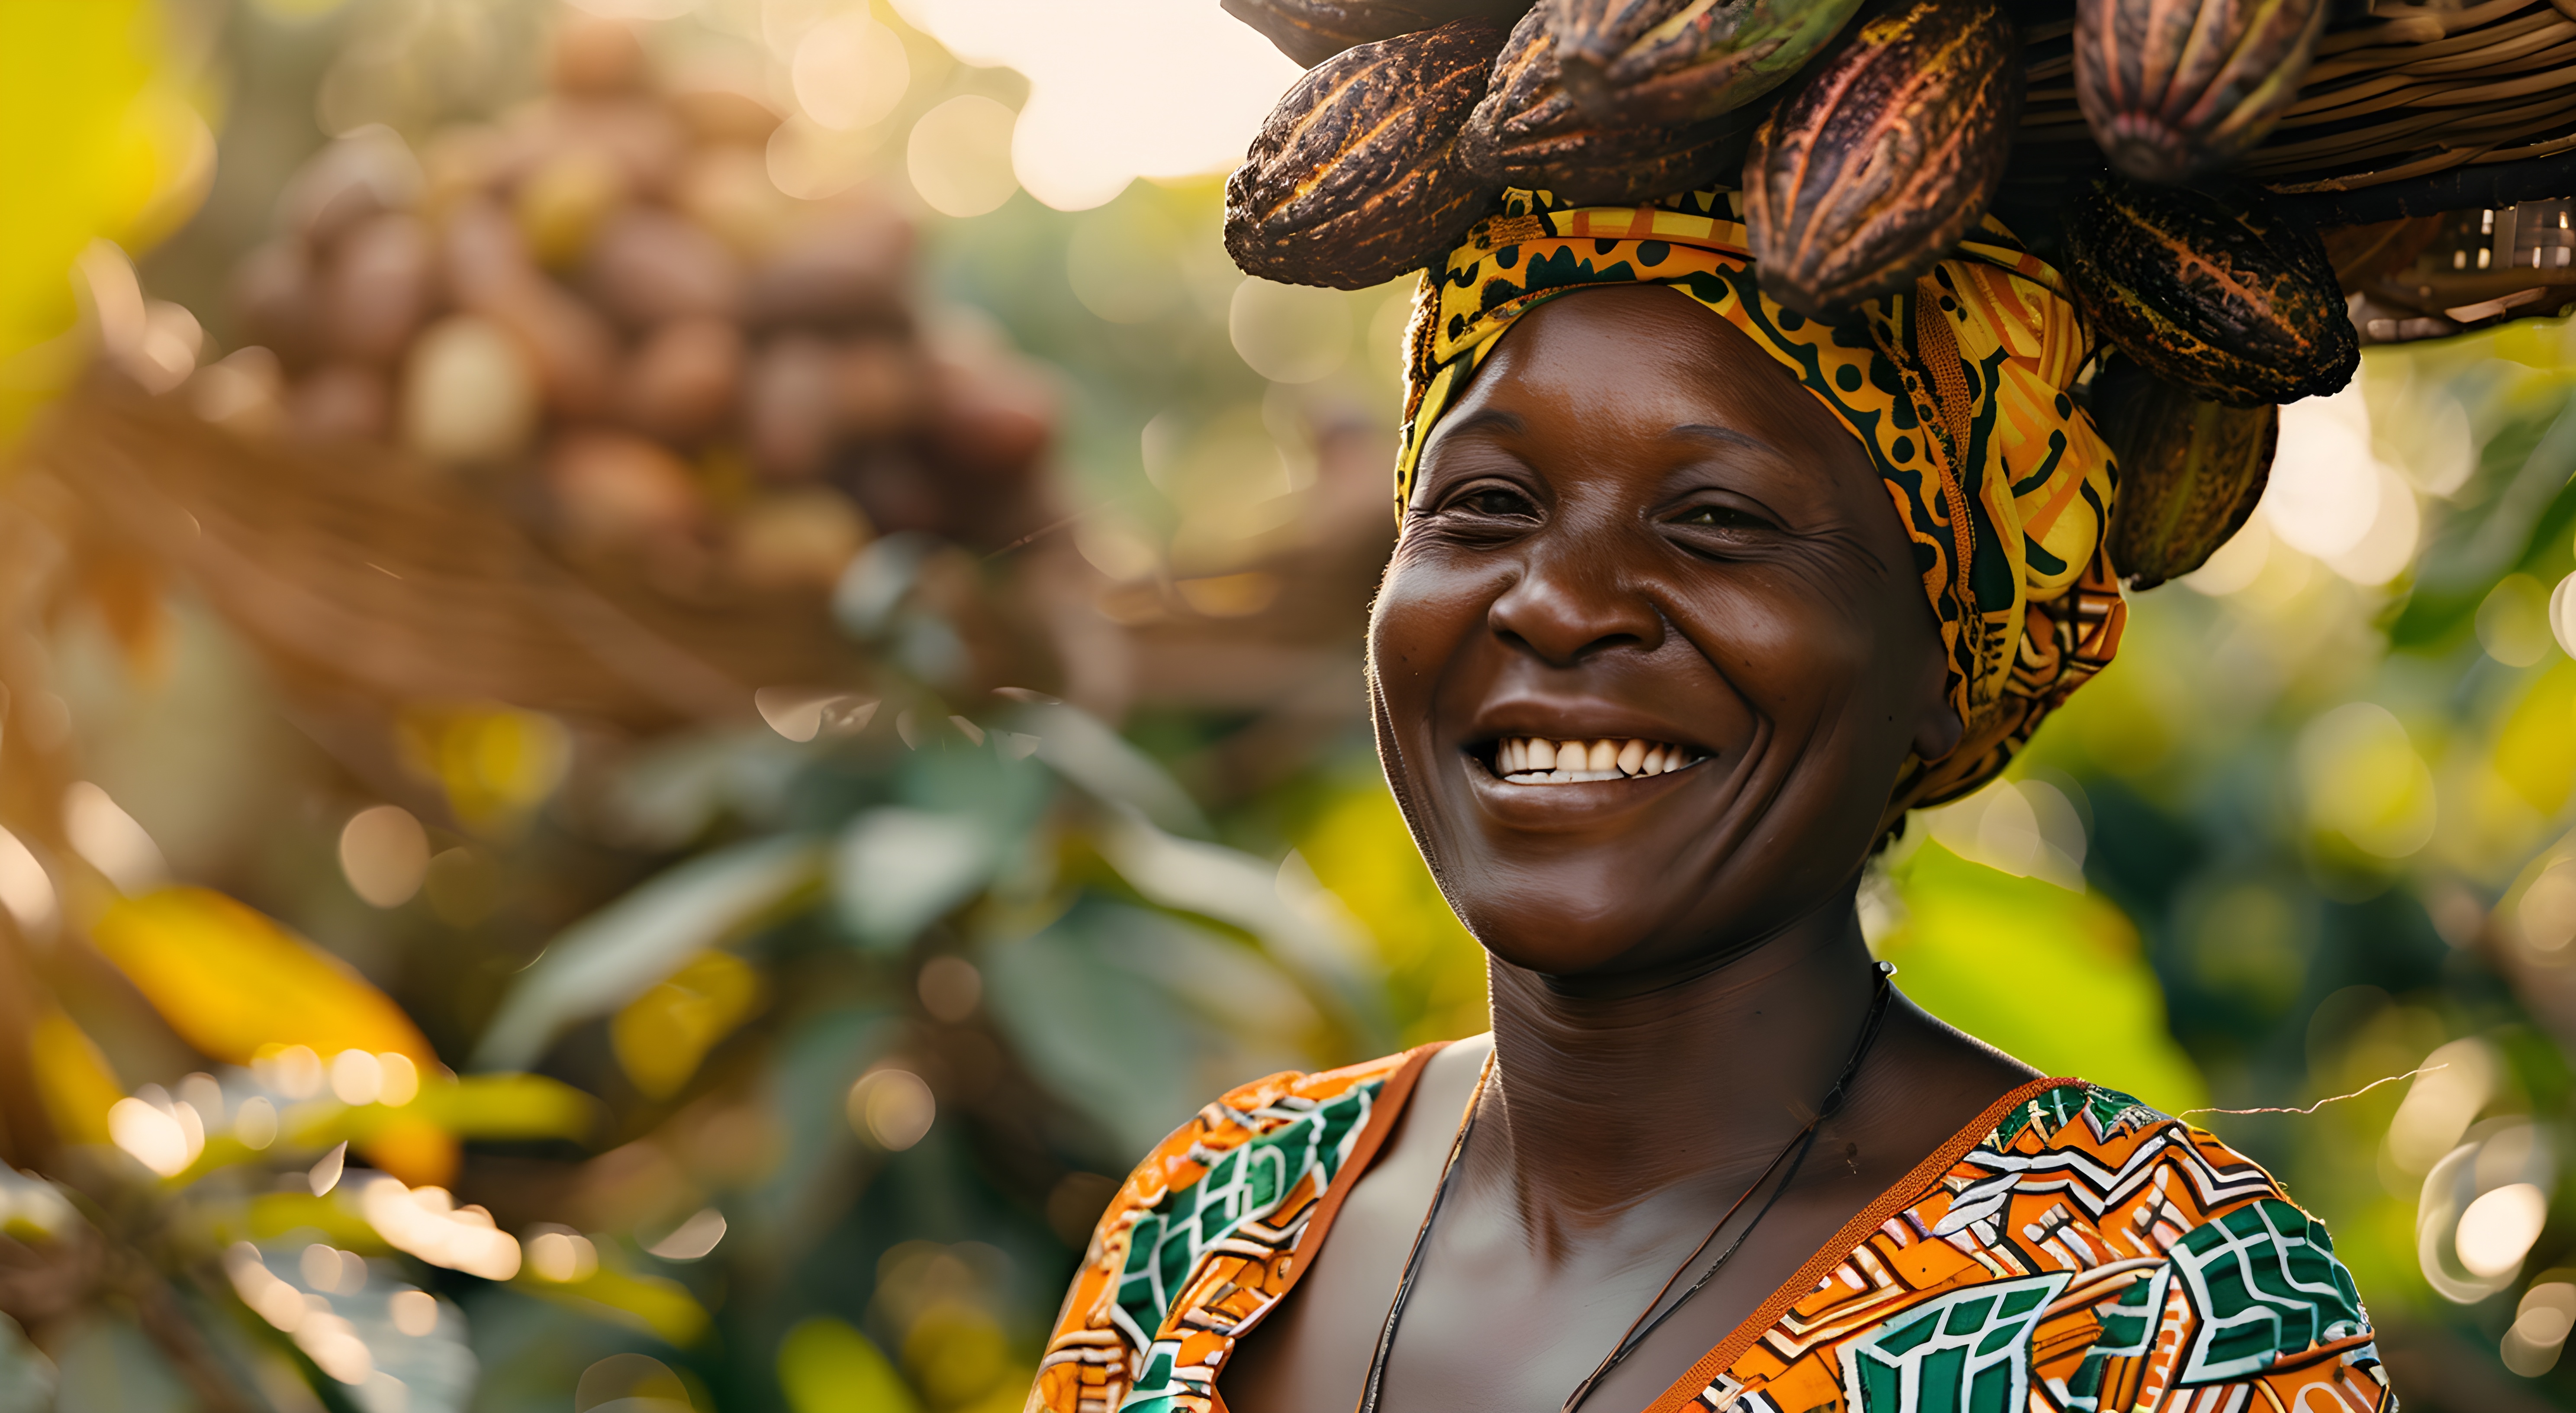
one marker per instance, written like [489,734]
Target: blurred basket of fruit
[574,410]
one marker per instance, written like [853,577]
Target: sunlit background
[675,669]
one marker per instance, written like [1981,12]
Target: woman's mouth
[1536,760]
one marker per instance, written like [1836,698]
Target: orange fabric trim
[1391,1102]
[1894,1200]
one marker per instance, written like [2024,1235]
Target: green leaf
[1137,1017]
[617,953]
[27,1377]
[897,869]
[1083,750]
[1233,887]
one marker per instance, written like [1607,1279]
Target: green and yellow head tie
[1958,388]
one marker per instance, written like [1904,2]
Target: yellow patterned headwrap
[1958,388]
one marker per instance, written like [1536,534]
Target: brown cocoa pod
[2173,89]
[1355,176]
[849,267]
[877,388]
[276,296]
[992,416]
[1311,31]
[377,287]
[2219,292]
[1861,180]
[615,488]
[2191,470]
[1529,132]
[683,381]
[647,267]
[368,171]
[791,407]
[341,402]
[1683,61]
[596,55]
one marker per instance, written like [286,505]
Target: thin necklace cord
[1794,1153]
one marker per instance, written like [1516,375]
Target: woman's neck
[1600,1104]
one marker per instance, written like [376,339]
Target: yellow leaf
[496,763]
[662,1035]
[230,980]
[2535,748]
[102,143]
[824,1366]
[508,1106]
[412,1148]
[77,1086]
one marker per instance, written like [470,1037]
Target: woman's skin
[1635,524]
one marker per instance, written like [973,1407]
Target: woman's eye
[1495,500]
[1720,517]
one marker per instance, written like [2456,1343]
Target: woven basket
[359,572]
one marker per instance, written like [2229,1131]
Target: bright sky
[1125,89]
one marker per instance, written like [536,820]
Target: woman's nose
[1571,604]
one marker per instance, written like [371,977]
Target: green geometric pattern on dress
[1246,1184]
[2129,1327]
[1965,1353]
[2266,1283]
[2107,1110]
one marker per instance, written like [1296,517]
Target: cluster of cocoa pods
[606,299]
[1868,140]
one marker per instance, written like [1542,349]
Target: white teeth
[1536,760]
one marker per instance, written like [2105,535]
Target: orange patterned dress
[2071,1249]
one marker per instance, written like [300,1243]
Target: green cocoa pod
[2191,470]
[1354,178]
[1862,179]
[1684,61]
[1311,31]
[2174,89]
[1529,132]
[2218,291]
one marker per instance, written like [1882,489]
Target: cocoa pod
[2175,88]
[2218,292]
[1861,180]
[1311,31]
[1529,132]
[683,382]
[847,268]
[2191,470]
[1355,177]
[649,266]
[1682,61]
[377,287]
[341,401]
[613,488]
[278,299]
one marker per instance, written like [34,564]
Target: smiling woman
[1695,598]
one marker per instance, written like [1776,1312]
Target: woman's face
[1636,527]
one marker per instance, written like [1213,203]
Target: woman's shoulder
[1193,1243]
[2132,1254]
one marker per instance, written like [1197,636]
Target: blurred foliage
[783,1063]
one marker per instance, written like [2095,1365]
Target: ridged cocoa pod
[2190,470]
[2220,293]
[1859,182]
[1529,132]
[1311,31]
[2173,89]
[1683,61]
[1354,178]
